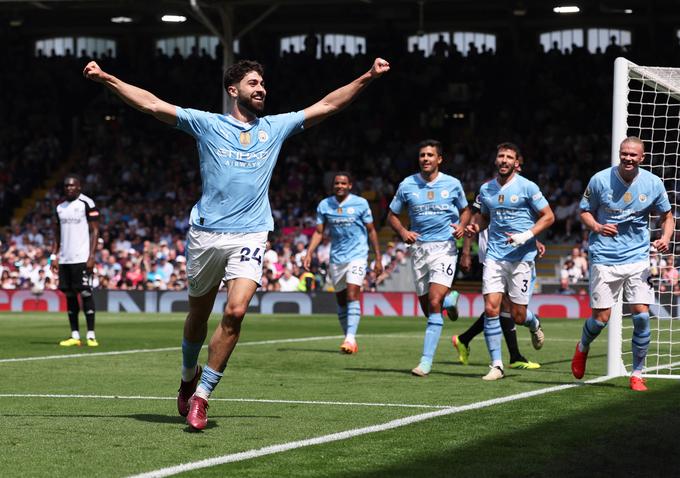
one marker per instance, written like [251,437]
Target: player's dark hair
[343,173]
[510,146]
[432,142]
[238,70]
[73,176]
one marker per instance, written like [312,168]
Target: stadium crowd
[144,176]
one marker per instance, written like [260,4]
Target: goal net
[647,104]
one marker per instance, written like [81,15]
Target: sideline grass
[119,437]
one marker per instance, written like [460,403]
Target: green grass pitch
[110,411]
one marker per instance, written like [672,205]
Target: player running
[436,203]
[515,211]
[462,342]
[349,221]
[615,208]
[230,222]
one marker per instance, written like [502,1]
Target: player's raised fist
[379,67]
[93,72]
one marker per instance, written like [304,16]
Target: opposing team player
[349,221]
[615,208]
[229,224]
[515,211]
[436,203]
[462,342]
[76,233]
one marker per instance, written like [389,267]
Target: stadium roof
[94,16]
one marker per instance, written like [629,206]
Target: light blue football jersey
[511,208]
[612,201]
[432,207]
[236,161]
[346,223]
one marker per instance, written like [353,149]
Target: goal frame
[624,71]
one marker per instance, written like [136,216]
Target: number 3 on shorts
[247,256]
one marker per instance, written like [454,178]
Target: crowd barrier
[372,303]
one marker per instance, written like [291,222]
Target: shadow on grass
[320,351]
[402,371]
[632,435]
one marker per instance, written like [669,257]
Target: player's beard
[508,174]
[248,104]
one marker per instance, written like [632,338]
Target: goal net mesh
[653,114]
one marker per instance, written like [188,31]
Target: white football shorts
[607,282]
[433,262]
[516,279]
[352,272]
[213,257]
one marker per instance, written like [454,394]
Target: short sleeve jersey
[613,201]
[74,230]
[236,162]
[432,207]
[346,224]
[511,208]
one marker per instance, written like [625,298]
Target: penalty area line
[401,422]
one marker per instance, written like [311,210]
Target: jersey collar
[240,123]
[506,184]
[343,201]
[420,179]
[623,181]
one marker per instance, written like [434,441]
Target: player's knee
[519,316]
[641,321]
[70,294]
[492,310]
[235,311]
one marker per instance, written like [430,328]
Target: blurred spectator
[288,282]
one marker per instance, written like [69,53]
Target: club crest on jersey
[642,198]
[445,194]
[350,210]
[627,197]
[244,138]
[262,136]
[514,198]
[430,195]
[501,198]
[339,210]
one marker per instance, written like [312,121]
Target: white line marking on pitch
[270,450]
[164,349]
[243,400]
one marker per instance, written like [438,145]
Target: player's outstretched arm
[138,98]
[343,96]
[313,244]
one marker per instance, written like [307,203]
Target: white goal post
[646,103]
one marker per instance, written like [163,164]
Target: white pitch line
[242,400]
[270,450]
[164,349]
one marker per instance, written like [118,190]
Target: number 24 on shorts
[247,256]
